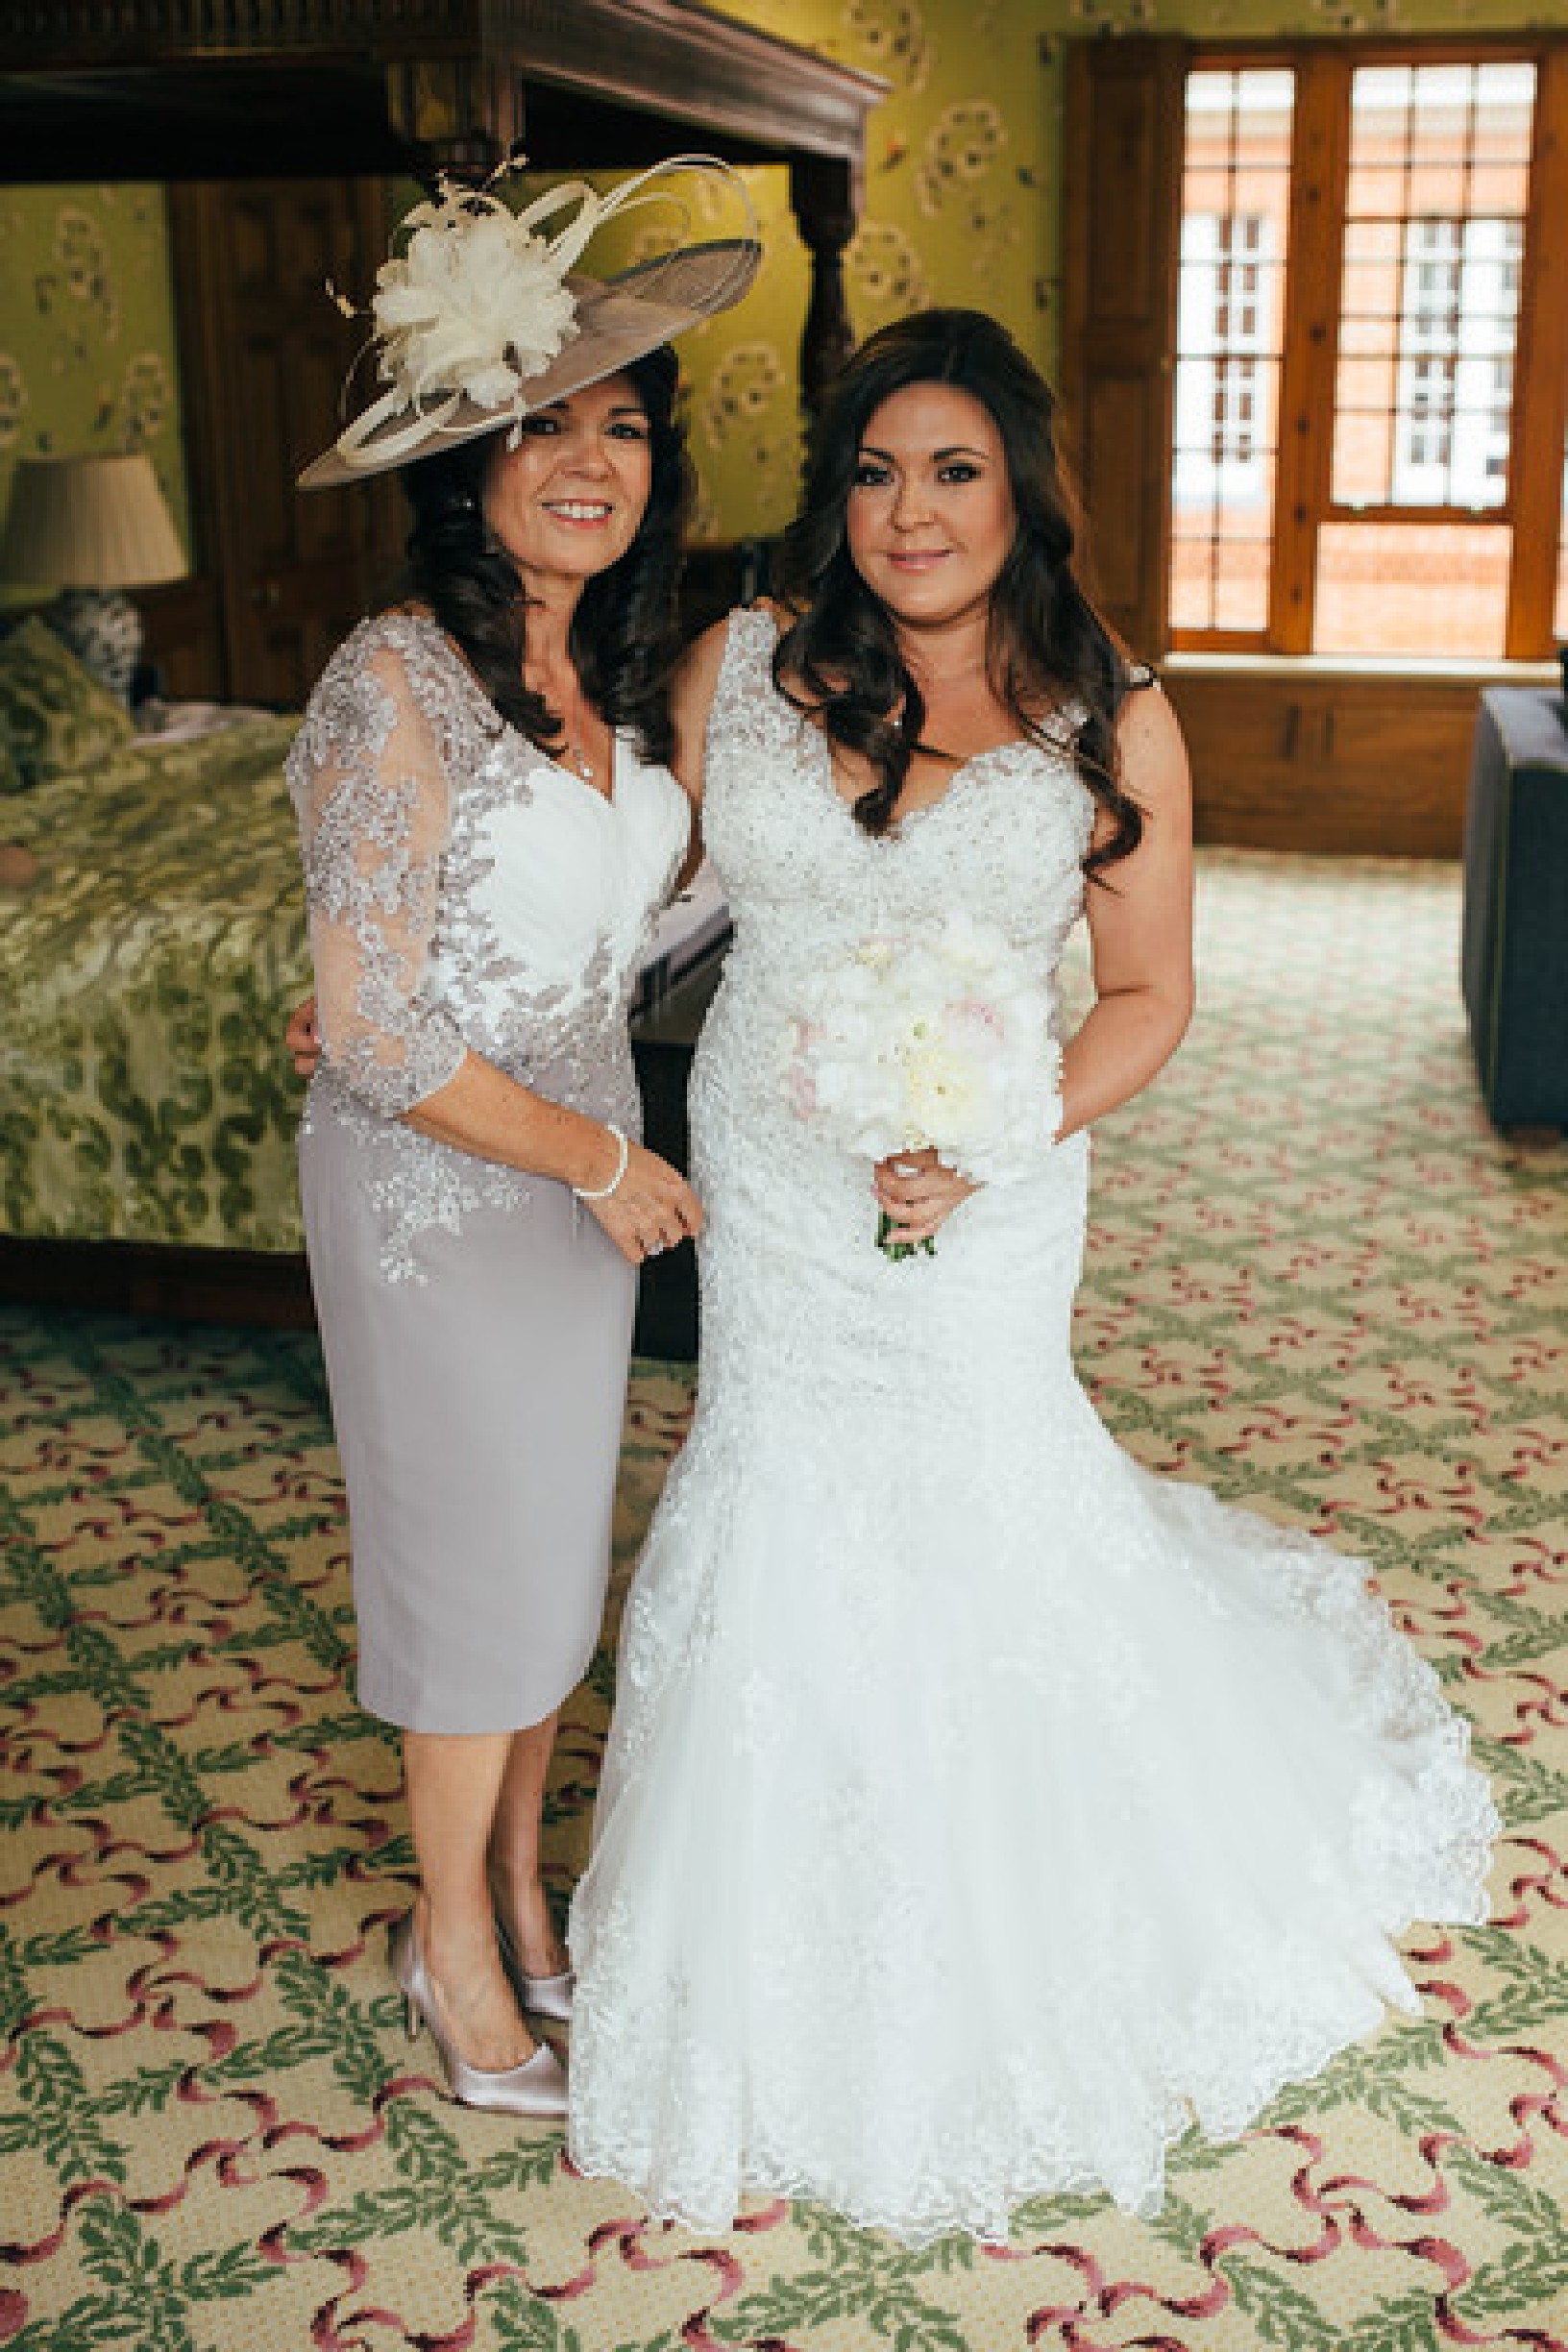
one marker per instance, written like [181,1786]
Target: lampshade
[93,522]
[92,526]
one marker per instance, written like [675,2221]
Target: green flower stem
[901,1249]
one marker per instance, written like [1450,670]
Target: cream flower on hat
[476,305]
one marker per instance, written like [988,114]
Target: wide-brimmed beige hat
[480,317]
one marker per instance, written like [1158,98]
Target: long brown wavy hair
[839,658]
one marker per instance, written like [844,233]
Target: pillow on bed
[54,716]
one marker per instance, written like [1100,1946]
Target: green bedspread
[144,979]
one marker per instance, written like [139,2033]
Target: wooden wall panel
[1115,460]
[1347,765]
[184,639]
[1541,381]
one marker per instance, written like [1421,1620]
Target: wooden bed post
[824,197]
[460,115]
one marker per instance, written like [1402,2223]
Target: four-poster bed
[276,126]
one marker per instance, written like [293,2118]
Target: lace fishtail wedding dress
[979,1808]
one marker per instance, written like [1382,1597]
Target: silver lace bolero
[466,893]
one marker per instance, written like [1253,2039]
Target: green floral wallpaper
[86,328]
[960,206]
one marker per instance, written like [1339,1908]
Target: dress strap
[749,650]
[745,699]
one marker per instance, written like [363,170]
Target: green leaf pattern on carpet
[1315,1281]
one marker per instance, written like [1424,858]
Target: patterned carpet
[1317,1279]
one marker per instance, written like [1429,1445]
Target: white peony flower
[942,1041]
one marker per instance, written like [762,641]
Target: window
[1457,321]
[1230,318]
[1222,262]
[1358,439]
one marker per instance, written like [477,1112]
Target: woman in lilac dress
[489,825]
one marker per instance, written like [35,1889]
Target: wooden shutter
[1122,243]
[263,357]
[1540,411]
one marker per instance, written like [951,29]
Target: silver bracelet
[604,1191]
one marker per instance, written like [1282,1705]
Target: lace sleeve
[370,785]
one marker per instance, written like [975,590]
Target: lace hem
[774,2026]
[986,2216]
[1299,2042]
[981,2211]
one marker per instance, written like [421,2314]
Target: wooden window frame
[1304,502]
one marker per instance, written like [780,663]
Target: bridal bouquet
[940,1041]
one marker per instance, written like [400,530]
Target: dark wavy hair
[839,658]
[623,636]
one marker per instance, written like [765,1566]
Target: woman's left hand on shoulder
[918,1192]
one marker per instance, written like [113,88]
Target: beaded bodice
[806,882]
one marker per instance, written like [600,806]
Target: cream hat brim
[618,319]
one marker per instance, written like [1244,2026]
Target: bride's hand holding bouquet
[916,1194]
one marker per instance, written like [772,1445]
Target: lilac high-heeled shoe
[536,2089]
[545,1996]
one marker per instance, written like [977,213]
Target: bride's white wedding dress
[979,1808]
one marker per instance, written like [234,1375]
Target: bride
[979,1809]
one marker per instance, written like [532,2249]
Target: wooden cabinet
[1296,756]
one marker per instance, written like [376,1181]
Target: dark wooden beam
[158,89]
[687,63]
[217,121]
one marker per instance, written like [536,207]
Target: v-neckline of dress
[610,798]
[965,772]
